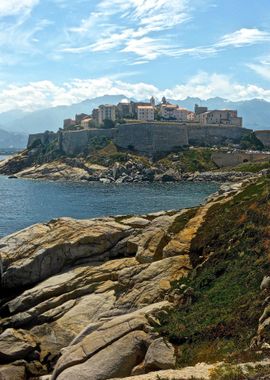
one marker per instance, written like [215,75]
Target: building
[95,114]
[85,122]
[220,117]
[167,111]
[145,113]
[198,109]
[181,114]
[191,116]
[106,112]
[80,117]
[68,123]
[125,109]
[173,112]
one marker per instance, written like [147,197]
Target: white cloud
[42,94]
[243,37]
[262,69]
[15,7]
[127,25]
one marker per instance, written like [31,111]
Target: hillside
[256,113]
[12,140]
[114,297]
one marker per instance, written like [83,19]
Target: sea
[24,202]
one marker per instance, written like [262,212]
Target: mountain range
[16,124]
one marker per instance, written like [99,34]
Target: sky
[59,52]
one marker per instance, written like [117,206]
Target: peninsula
[134,142]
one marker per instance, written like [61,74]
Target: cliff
[114,297]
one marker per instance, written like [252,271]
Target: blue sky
[63,51]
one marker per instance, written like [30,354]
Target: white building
[167,111]
[173,112]
[106,112]
[85,122]
[145,113]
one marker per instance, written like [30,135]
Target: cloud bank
[43,94]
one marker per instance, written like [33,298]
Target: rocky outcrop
[83,298]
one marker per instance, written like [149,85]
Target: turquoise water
[25,202]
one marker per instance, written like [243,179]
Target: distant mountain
[12,140]
[52,118]
[255,112]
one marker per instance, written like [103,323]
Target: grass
[252,167]
[227,301]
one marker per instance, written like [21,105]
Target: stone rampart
[45,138]
[151,138]
[75,142]
[215,135]
[147,138]
[230,159]
[264,137]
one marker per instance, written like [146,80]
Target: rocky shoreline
[75,169]
[81,299]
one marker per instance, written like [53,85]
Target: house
[125,109]
[68,123]
[167,111]
[173,112]
[106,112]
[85,122]
[80,117]
[146,113]
[220,117]
[198,109]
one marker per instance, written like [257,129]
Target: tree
[108,124]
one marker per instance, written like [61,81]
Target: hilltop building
[173,112]
[198,109]
[85,122]
[125,109]
[80,117]
[106,112]
[220,117]
[69,123]
[146,113]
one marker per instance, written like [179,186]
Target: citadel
[149,128]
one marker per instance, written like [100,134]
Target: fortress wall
[45,138]
[264,137]
[75,142]
[151,137]
[215,135]
[223,159]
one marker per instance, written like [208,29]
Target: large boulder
[16,344]
[112,348]
[160,355]
[15,371]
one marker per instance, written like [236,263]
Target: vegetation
[253,167]
[227,302]
[234,372]
[190,160]
[251,142]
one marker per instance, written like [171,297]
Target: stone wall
[224,159]
[75,142]
[148,138]
[45,138]
[264,137]
[151,138]
[215,135]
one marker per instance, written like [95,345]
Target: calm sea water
[25,202]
